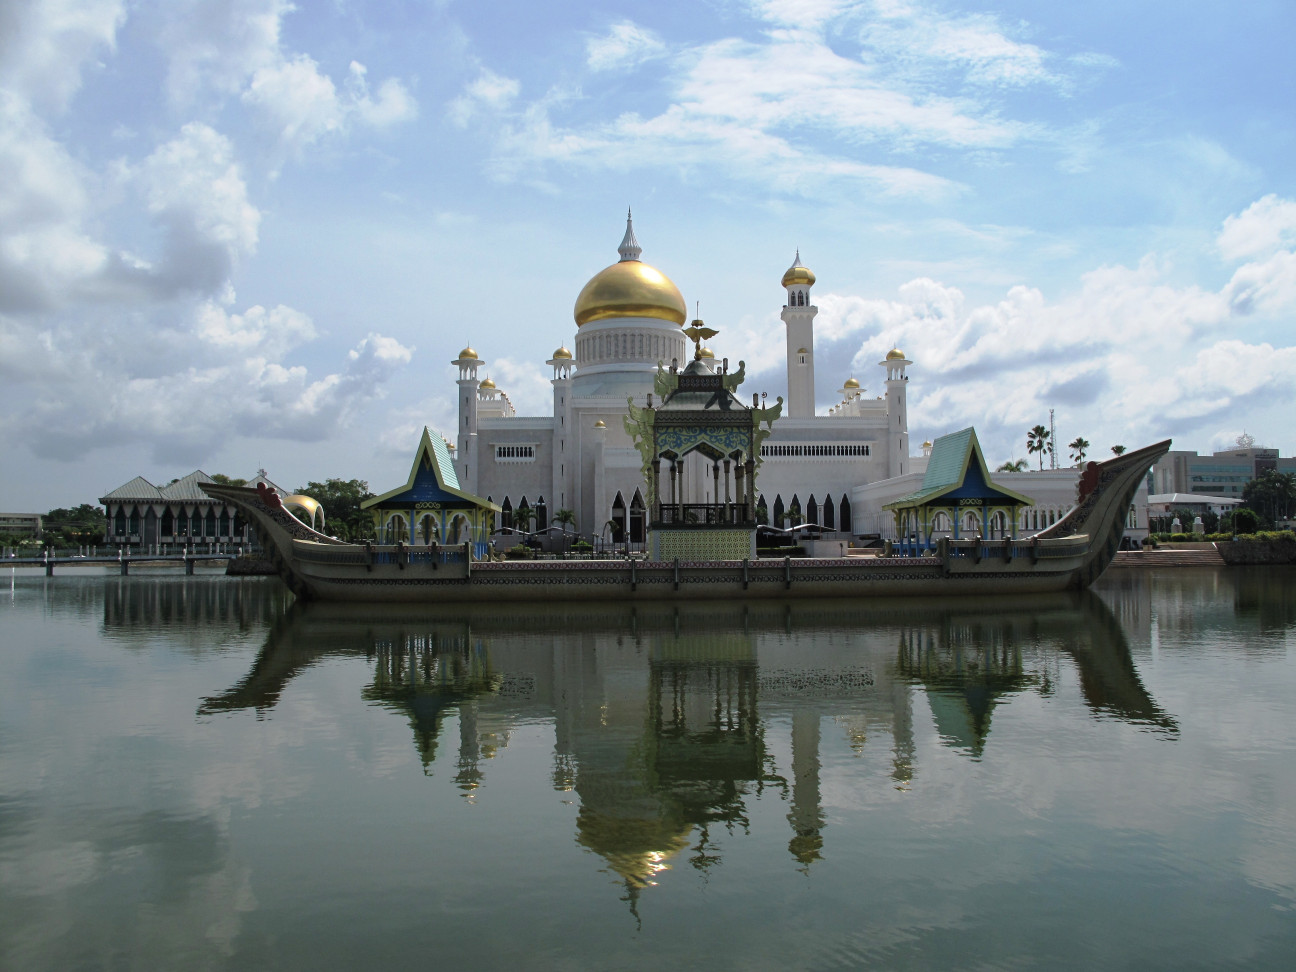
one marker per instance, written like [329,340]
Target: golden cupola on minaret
[630,288]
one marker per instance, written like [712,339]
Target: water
[195,773]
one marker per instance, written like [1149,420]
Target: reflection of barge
[1069,555]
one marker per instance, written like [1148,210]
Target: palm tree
[522,517]
[1079,447]
[1037,440]
[1013,465]
[565,519]
[1118,450]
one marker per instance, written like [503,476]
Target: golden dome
[851,383]
[927,444]
[798,275]
[630,288]
[468,353]
[706,353]
[561,353]
[600,424]
[895,354]
[487,384]
[802,351]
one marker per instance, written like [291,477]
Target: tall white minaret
[467,363]
[564,459]
[798,315]
[897,383]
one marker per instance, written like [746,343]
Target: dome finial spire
[629,248]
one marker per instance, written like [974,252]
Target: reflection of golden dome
[630,288]
[802,351]
[851,383]
[600,424]
[561,353]
[468,353]
[487,384]
[895,354]
[706,353]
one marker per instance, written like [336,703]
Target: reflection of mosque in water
[663,718]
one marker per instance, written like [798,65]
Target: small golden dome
[706,353]
[798,275]
[895,354]
[630,288]
[600,424]
[562,353]
[802,351]
[468,353]
[851,383]
[487,384]
[927,444]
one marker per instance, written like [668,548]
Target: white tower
[799,314]
[564,467]
[897,412]
[467,363]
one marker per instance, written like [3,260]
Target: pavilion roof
[957,470]
[432,479]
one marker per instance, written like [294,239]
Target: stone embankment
[1198,555]
[1228,553]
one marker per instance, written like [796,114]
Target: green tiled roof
[432,478]
[952,457]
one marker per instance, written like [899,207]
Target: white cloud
[243,389]
[1261,228]
[195,190]
[256,332]
[223,48]
[490,92]
[916,40]
[1129,354]
[625,45]
[44,45]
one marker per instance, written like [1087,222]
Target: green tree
[1013,465]
[73,527]
[1272,495]
[1037,441]
[1118,450]
[565,519]
[341,499]
[224,480]
[1079,447]
[1244,520]
[523,517]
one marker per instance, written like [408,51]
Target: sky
[242,234]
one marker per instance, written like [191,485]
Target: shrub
[1245,521]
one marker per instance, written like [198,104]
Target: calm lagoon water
[197,773]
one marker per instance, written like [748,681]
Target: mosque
[630,324]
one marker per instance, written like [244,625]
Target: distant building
[22,524]
[1164,504]
[141,514]
[1219,474]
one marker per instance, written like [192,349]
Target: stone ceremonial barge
[702,550]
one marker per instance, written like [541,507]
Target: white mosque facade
[836,469]
[630,319]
